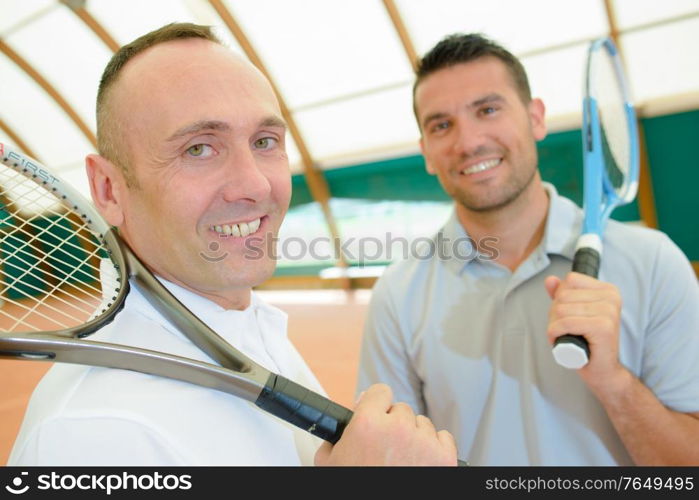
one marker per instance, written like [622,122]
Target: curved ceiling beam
[48,88]
[17,140]
[314,178]
[402,31]
[78,7]
[646,199]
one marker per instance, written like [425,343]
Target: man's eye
[438,127]
[265,143]
[488,110]
[200,150]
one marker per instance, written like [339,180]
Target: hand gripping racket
[610,159]
[64,273]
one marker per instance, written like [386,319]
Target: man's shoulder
[643,256]
[635,241]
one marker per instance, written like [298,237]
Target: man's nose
[245,179]
[469,137]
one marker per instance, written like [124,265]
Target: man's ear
[107,187]
[428,167]
[537,116]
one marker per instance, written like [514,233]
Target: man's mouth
[482,166]
[239,230]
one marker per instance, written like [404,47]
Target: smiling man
[467,339]
[192,159]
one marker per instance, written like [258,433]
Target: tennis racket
[64,273]
[54,247]
[610,161]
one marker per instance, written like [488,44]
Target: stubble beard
[500,197]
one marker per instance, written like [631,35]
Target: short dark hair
[108,134]
[460,48]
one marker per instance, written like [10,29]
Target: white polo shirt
[97,416]
[463,341]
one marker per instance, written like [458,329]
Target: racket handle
[304,408]
[587,261]
[573,351]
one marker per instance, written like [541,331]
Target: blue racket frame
[599,196]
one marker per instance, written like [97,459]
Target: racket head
[62,271]
[610,135]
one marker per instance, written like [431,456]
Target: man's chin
[251,274]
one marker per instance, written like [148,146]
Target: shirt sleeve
[671,351]
[384,355]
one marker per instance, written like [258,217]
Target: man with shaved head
[192,153]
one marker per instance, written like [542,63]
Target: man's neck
[238,299]
[518,227]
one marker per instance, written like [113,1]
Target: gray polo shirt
[462,339]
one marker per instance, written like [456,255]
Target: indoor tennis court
[361,196]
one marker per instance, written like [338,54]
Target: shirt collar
[563,224]
[459,250]
[229,323]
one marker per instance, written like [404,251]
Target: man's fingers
[448,443]
[402,410]
[579,280]
[425,424]
[568,295]
[322,456]
[551,283]
[376,399]
[590,327]
[606,308]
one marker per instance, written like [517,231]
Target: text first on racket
[35,169]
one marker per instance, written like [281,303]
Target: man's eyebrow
[487,99]
[273,121]
[433,116]
[197,127]
[490,98]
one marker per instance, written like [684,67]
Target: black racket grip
[304,408]
[586,261]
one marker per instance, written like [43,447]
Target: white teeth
[241,229]
[480,167]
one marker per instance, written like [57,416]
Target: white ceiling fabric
[340,66]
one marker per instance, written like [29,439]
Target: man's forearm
[651,433]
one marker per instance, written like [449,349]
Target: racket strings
[34,313]
[21,248]
[607,90]
[34,241]
[50,289]
[48,272]
[61,215]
